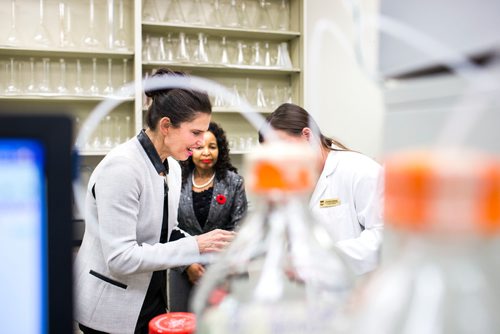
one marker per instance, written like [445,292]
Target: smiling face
[189,135]
[205,156]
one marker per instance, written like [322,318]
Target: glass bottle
[281,274]
[196,13]
[214,17]
[123,88]
[182,48]
[146,49]
[283,57]
[224,52]
[232,17]
[442,214]
[256,56]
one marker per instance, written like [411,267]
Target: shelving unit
[112,20]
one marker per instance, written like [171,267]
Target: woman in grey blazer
[212,196]
[131,212]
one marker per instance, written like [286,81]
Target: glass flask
[233,16]
[13,36]
[78,89]
[149,11]
[65,34]
[45,87]
[200,54]
[31,87]
[61,87]
[283,57]
[42,37]
[174,14]
[109,89]
[442,214]
[214,18]
[283,16]
[11,88]
[196,14]
[182,54]
[90,40]
[94,87]
[282,273]
[263,20]
[121,34]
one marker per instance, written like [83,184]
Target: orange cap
[447,191]
[280,166]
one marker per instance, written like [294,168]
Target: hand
[214,241]
[195,272]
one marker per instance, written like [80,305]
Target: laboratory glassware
[182,48]
[233,18]
[200,54]
[45,87]
[65,37]
[31,87]
[240,53]
[12,85]
[90,40]
[94,88]
[214,17]
[283,16]
[78,89]
[174,14]
[61,87]
[282,273]
[123,88]
[110,24]
[196,14]
[109,89]
[256,55]
[41,36]
[149,11]
[263,20]
[283,56]
[121,35]
[13,36]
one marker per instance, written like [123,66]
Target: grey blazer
[225,216]
[120,248]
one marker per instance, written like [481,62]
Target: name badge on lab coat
[328,203]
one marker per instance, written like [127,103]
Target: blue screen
[23,237]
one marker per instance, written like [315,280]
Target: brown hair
[292,119]
[180,105]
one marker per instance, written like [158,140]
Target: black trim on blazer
[107,279]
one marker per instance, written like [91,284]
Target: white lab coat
[350,181]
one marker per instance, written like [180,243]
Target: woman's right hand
[214,241]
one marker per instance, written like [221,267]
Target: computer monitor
[35,224]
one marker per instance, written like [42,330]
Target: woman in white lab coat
[347,196]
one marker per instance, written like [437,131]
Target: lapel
[215,208]
[330,165]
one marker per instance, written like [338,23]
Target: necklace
[204,184]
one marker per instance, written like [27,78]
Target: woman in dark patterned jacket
[212,196]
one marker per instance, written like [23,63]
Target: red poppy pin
[221,199]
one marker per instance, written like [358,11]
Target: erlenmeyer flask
[94,88]
[146,49]
[261,99]
[232,17]
[13,36]
[31,87]
[282,273]
[200,54]
[182,48]
[149,11]
[174,14]
[65,38]
[283,57]
[107,132]
[214,17]
[169,48]
[283,16]
[90,39]
[78,89]
[121,35]
[161,54]
[267,55]
[42,37]
[61,87]
[256,56]
[45,87]
[224,52]
[109,89]
[240,53]
[235,98]
[196,14]
[263,20]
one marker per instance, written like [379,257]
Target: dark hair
[292,119]
[223,163]
[180,105]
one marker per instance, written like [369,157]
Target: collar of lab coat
[330,165]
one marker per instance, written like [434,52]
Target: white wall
[346,104]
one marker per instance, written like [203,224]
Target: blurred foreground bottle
[282,273]
[438,273]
